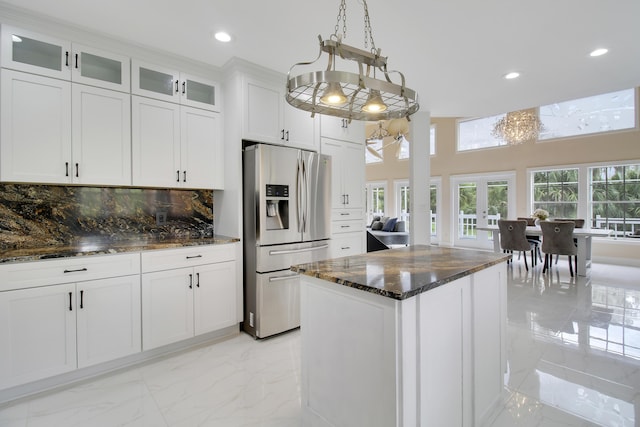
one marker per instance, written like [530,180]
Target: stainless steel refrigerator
[287,209]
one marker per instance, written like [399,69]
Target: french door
[479,201]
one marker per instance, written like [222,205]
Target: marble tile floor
[573,360]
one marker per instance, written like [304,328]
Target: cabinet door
[101,136]
[167,307]
[35,53]
[334,149]
[199,93]
[215,297]
[300,128]
[155,131]
[263,112]
[201,147]
[155,82]
[353,177]
[37,333]
[36,128]
[339,128]
[99,68]
[108,316]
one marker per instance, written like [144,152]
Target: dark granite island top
[402,273]
[102,245]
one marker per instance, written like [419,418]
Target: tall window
[476,133]
[600,113]
[375,199]
[402,202]
[615,199]
[434,198]
[557,192]
[432,140]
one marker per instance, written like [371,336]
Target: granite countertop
[402,273]
[101,245]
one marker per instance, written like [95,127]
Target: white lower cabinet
[37,333]
[51,328]
[181,303]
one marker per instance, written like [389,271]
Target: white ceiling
[453,52]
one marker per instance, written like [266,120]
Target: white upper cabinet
[171,85]
[36,129]
[35,53]
[269,118]
[98,68]
[176,146]
[54,131]
[339,128]
[101,136]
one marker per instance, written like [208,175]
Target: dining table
[583,237]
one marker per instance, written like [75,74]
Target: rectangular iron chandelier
[347,94]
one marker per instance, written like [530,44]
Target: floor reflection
[573,348]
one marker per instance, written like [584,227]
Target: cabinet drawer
[347,244]
[338,227]
[346,214]
[48,272]
[168,259]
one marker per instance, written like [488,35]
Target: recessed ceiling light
[599,52]
[221,36]
[512,75]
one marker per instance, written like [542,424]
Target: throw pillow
[375,218]
[377,225]
[400,226]
[388,226]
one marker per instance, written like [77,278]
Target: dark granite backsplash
[40,215]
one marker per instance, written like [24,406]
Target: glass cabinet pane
[36,52]
[200,92]
[155,81]
[100,68]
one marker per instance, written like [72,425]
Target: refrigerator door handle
[295,251]
[299,195]
[305,197]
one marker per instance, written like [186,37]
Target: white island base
[433,359]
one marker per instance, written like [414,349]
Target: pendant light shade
[374,103]
[333,95]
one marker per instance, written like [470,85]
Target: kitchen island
[405,337]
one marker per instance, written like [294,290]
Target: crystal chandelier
[350,95]
[518,127]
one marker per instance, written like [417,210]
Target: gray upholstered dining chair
[512,238]
[557,238]
[533,239]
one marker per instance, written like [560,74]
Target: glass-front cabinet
[166,84]
[24,50]
[30,52]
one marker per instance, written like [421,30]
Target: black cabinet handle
[177,176]
[194,256]
[184,87]
[76,61]
[81,299]
[77,170]
[70,301]
[344,248]
[176,86]
[75,271]
[282,132]
[184,176]
[190,281]
[347,199]
[198,279]
[287,135]
[66,59]
[66,168]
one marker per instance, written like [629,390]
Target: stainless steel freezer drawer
[278,303]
